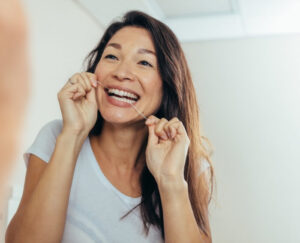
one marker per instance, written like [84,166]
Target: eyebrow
[141,50]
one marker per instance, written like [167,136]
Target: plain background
[249,95]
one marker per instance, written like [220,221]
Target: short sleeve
[44,143]
[204,166]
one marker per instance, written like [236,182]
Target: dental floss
[140,113]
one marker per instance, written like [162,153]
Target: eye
[145,63]
[109,56]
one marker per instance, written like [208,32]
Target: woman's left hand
[167,148]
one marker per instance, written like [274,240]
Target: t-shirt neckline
[128,199]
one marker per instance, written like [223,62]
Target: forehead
[133,35]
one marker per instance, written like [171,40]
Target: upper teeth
[122,93]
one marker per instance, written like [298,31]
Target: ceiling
[194,20]
[193,7]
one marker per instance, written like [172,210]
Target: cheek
[156,90]
[101,71]
[153,82]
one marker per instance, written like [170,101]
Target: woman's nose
[123,71]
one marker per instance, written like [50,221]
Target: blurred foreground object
[14,89]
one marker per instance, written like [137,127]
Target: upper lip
[124,89]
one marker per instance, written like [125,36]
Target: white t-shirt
[95,205]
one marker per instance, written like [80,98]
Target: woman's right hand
[78,103]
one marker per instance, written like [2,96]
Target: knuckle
[151,117]
[81,76]
[89,74]
[79,85]
[167,126]
[75,76]
[177,124]
[159,130]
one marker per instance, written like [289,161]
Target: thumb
[152,138]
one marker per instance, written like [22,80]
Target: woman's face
[129,69]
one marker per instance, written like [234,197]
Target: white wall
[61,37]
[248,91]
[249,94]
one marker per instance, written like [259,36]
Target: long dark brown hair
[179,101]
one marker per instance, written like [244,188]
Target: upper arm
[206,180]
[206,174]
[35,168]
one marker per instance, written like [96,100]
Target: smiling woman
[126,67]
[103,174]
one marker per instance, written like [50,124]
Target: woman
[112,176]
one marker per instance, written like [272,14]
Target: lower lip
[119,103]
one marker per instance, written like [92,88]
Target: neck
[120,145]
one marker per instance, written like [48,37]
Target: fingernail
[94,82]
[164,137]
[169,135]
[173,133]
[148,121]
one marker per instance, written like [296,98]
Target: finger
[159,129]
[152,120]
[91,96]
[68,91]
[171,130]
[180,130]
[70,82]
[152,138]
[92,77]
[174,119]
[80,92]
[81,80]
[88,82]
[168,130]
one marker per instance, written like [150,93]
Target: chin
[118,117]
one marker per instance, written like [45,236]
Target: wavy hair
[179,101]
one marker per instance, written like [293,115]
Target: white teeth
[122,93]
[123,99]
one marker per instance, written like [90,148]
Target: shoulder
[47,135]
[44,143]
[52,128]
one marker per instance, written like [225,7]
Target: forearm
[179,221]
[43,217]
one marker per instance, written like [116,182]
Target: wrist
[171,183]
[72,137]
[74,133]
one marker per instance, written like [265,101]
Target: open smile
[121,97]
